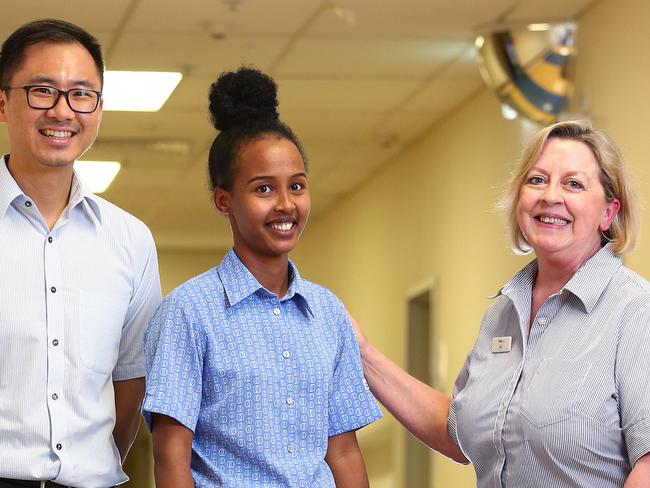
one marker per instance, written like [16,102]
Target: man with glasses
[78,276]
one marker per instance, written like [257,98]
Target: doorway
[419,364]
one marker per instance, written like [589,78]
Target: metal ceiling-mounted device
[531,69]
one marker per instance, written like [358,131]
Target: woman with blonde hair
[556,391]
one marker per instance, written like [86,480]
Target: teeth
[282,226]
[553,220]
[57,133]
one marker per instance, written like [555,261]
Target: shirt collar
[587,284]
[239,283]
[79,194]
[590,281]
[9,189]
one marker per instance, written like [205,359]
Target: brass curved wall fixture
[530,70]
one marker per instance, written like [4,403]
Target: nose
[62,110]
[552,193]
[284,201]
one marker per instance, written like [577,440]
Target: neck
[271,271]
[48,187]
[554,271]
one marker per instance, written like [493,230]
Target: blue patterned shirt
[261,381]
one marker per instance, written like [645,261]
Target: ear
[610,212]
[222,200]
[3,106]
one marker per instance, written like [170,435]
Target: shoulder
[630,287]
[630,290]
[319,296]
[119,222]
[198,289]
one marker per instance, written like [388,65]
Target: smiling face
[268,203]
[55,137]
[562,209]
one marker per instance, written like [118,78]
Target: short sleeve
[174,361]
[351,404]
[144,300]
[633,383]
[461,380]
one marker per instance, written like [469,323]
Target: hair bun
[242,96]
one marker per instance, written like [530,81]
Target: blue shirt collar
[239,283]
[587,284]
[79,194]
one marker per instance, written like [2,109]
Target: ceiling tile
[80,12]
[406,19]
[374,95]
[367,59]
[249,17]
[193,53]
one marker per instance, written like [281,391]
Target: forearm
[169,473]
[640,474]
[346,461]
[417,406]
[128,399]
[172,453]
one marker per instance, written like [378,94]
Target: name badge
[501,344]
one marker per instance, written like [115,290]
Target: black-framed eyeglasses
[43,97]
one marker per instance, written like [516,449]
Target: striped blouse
[568,404]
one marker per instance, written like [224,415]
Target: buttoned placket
[279,317]
[542,320]
[54,330]
[55,340]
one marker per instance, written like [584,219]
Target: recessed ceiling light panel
[138,91]
[97,175]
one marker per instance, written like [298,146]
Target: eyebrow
[270,177]
[540,170]
[50,81]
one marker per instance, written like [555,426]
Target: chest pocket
[101,319]
[552,392]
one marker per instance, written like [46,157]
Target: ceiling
[359,80]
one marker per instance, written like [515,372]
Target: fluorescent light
[138,91]
[97,175]
[539,27]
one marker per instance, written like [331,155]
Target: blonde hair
[614,177]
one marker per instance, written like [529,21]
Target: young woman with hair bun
[253,373]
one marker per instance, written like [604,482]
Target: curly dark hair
[243,107]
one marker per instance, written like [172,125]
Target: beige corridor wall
[426,217]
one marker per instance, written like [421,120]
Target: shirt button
[55,396]
[289,448]
[55,342]
[59,447]
[289,401]
[276,311]
[53,289]
[541,320]
[49,239]
[28,203]
[286,354]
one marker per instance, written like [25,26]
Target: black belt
[6,483]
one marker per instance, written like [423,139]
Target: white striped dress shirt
[569,404]
[73,305]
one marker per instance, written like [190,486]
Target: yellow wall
[426,217]
[612,80]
